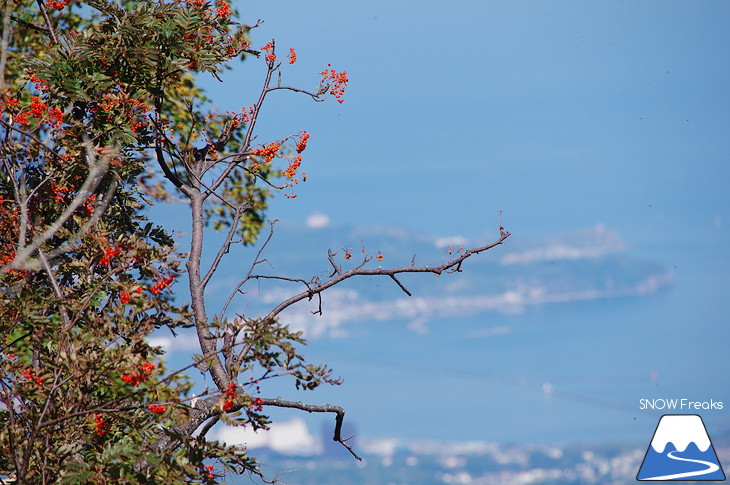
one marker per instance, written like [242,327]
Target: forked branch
[451,266]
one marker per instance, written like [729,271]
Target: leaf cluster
[271,347]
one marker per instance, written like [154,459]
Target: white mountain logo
[681,450]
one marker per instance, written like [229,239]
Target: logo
[680,450]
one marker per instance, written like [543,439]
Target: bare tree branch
[313,408]
[315,96]
[208,426]
[29,24]
[448,267]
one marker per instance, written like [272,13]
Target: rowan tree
[100,118]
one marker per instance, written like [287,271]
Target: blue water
[598,358]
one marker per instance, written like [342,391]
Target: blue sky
[563,115]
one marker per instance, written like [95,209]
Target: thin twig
[331,257]
[401,285]
[28,24]
[169,175]
[240,210]
[51,31]
[256,261]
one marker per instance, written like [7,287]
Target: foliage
[99,103]
[101,117]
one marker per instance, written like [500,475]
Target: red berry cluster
[337,82]
[40,83]
[38,110]
[302,143]
[230,397]
[30,375]
[102,427]
[56,5]
[222,9]
[291,170]
[256,405]
[125,297]
[59,192]
[138,377]
[270,55]
[267,151]
[157,408]
[109,254]
[161,285]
